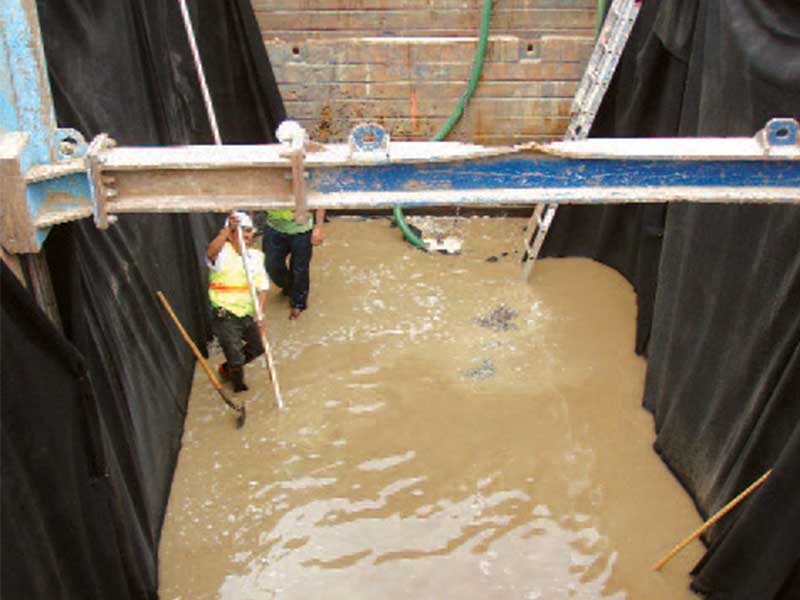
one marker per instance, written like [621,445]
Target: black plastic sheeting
[718,286]
[92,419]
[59,530]
[126,69]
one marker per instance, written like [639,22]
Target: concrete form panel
[406,65]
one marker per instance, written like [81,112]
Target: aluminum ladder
[596,79]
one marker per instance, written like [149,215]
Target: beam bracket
[101,186]
[294,139]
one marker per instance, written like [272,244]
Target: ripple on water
[358,409]
[381,464]
[477,536]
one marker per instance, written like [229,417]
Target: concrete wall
[406,63]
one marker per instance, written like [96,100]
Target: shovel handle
[192,345]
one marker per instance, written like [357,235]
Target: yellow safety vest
[227,286]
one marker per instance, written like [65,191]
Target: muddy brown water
[449,432]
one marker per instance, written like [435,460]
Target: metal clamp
[292,135]
[101,186]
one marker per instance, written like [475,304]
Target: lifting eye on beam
[779,135]
[369,142]
[101,179]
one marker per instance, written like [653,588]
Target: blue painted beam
[536,172]
[25,101]
[217,178]
[26,106]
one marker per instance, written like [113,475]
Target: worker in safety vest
[233,320]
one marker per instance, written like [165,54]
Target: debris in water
[448,245]
[500,319]
[438,234]
[484,370]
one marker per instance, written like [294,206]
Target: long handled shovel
[242,414]
[273,375]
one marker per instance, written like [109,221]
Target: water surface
[449,432]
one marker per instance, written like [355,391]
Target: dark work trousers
[239,337]
[294,280]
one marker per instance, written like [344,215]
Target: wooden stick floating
[717,516]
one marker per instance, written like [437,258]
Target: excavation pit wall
[406,65]
[449,431]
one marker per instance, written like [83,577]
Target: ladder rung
[596,79]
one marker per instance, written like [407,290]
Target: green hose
[413,239]
[600,16]
[475,75]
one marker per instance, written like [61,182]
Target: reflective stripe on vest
[228,288]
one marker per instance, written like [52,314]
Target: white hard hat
[244,219]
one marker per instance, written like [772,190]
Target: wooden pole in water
[717,516]
[273,375]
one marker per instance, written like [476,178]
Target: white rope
[212,119]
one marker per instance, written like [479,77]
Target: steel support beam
[26,108]
[29,137]
[761,169]
[417,174]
